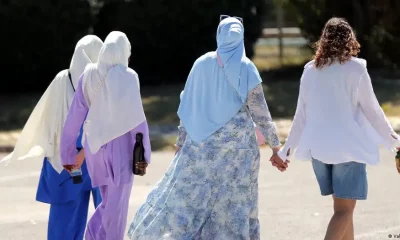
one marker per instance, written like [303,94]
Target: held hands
[277,162]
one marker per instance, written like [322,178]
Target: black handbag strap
[70,80]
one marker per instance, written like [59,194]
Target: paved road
[290,204]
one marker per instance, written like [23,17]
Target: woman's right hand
[142,166]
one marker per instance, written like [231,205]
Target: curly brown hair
[338,42]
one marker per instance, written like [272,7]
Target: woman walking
[40,139]
[108,96]
[338,124]
[210,191]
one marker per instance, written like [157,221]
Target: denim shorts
[345,180]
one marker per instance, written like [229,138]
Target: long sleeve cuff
[395,143]
[268,130]
[68,153]
[282,153]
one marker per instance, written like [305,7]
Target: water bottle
[76,175]
[138,154]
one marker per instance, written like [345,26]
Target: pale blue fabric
[208,101]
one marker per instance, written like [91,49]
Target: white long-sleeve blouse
[338,118]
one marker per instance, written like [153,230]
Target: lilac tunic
[110,169]
[112,164]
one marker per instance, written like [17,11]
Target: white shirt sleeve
[374,113]
[299,122]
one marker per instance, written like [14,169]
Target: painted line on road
[21,176]
[391,230]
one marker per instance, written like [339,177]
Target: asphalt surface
[290,203]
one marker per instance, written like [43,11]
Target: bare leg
[349,235]
[341,221]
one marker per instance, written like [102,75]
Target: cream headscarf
[112,91]
[41,134]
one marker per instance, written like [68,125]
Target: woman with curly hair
[338,124]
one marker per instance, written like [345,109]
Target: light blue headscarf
[208,101]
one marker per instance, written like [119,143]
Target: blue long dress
[69,202]
[210,190]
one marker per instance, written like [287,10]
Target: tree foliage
[167,36]
[38,39]
[375,22]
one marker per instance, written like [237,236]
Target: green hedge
[167,36]
[38,36]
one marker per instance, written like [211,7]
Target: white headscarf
[112,91]
[41,135]
[86,51]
